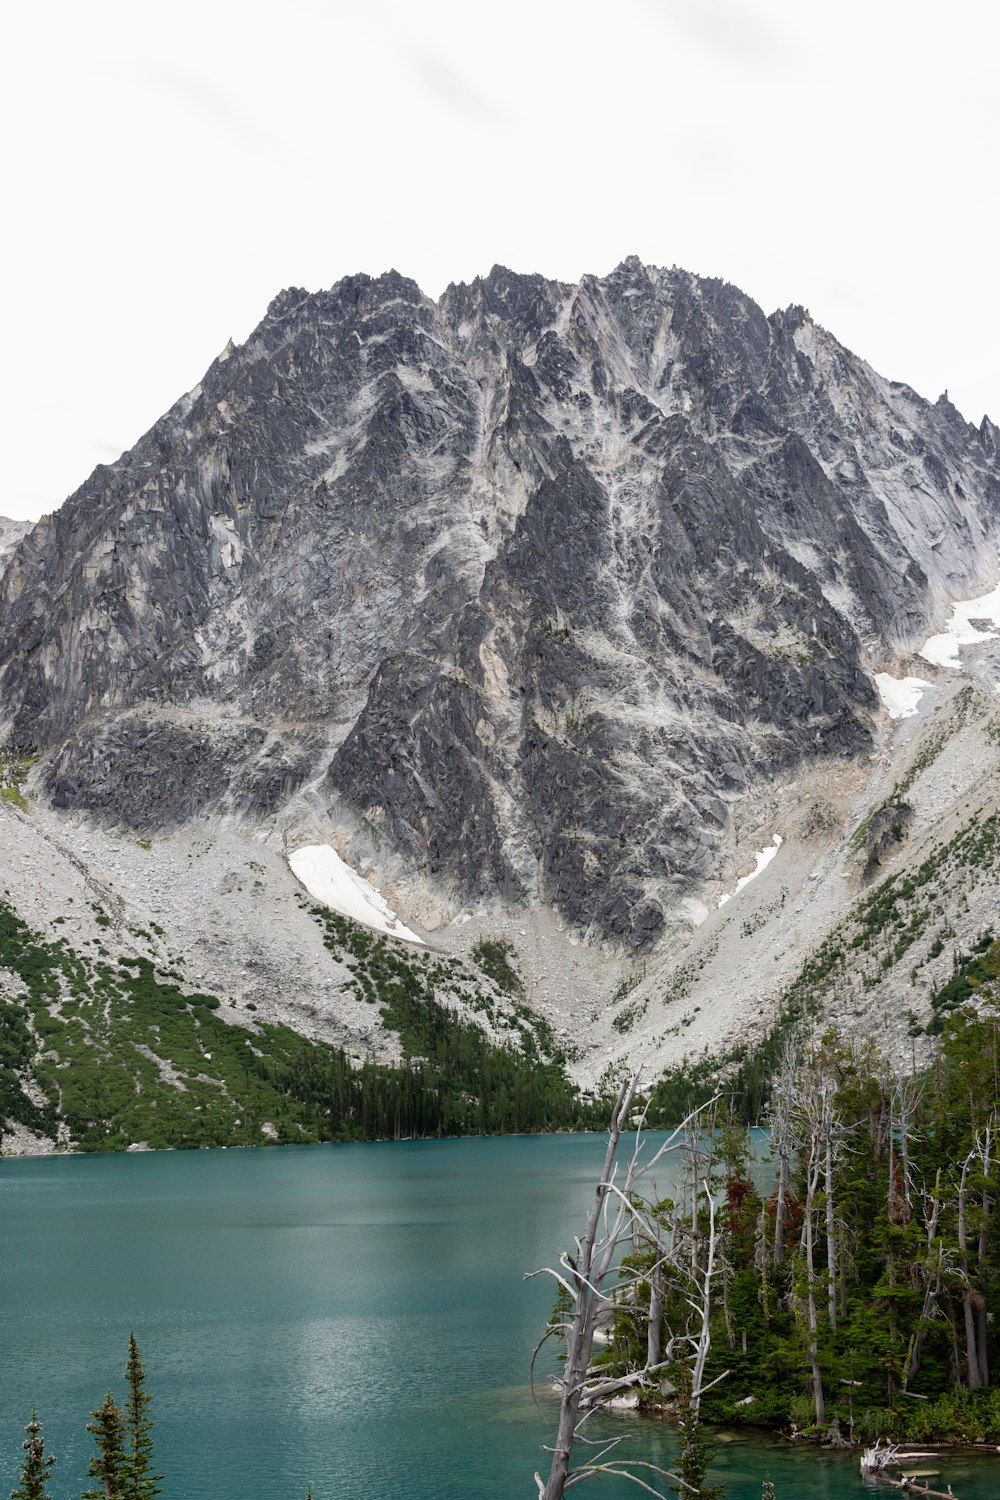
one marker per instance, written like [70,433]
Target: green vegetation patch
[455,1079]
[122,1052]
[124,1055]
[14,768]
[971,971]
[496,957]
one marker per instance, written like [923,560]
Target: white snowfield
[900,695]
[763,859]
[325,875]
[943,649]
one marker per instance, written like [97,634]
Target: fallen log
[875,1461]
[918,1489]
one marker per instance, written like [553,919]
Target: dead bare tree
[780,1123]
[831,1132]
[933,1270]
[808,1243]
[973,1299]
[591,1281]
[820,1129]
[907,1096]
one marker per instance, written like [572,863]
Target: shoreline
[730,1431]
[140,1148]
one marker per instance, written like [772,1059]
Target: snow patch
[943,649]
[900,695]
[325,875]
[763,858]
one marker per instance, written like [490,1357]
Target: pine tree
[696,1449]
[140,1483]
[108,1466]
[36,1465]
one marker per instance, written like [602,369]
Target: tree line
[855,1290]
[844,1287]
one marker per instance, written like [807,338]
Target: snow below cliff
[325,875]
[900,695]
[943,649]
[763,859]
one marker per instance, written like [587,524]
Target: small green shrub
[494,956]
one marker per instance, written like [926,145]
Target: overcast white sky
[169,167]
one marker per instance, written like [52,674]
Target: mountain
[545,604]
[525,587]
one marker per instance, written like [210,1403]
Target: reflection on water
[351,1317]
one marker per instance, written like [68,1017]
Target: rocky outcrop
[527,584]
[11,533]
[886,830]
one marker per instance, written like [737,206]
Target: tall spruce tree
[695,1448]
[36,1466]
[109,1464]
[140,1483]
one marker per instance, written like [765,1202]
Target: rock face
[11,532]
[524,587]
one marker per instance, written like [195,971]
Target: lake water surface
[350,1317]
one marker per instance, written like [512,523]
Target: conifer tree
[36,1465]
[696,1448]
[108,1466]
[140,1483]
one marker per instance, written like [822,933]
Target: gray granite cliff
[525,587]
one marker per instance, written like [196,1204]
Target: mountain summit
[519,591]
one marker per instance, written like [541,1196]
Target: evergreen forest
[846,1286]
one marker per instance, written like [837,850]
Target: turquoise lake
[350,1317]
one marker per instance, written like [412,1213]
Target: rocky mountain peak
[519,591]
